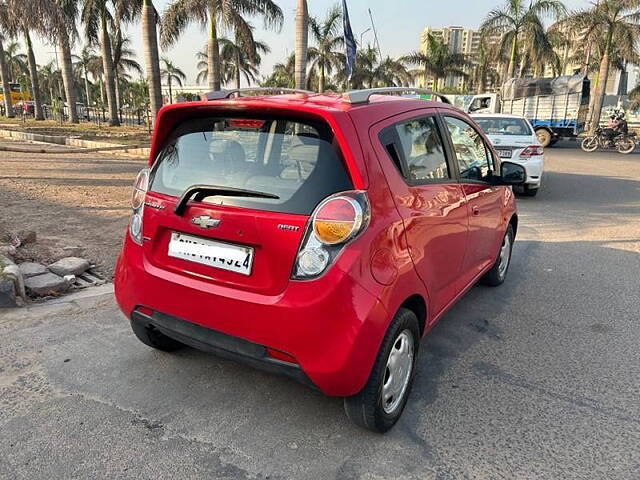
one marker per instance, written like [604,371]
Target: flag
[349,40]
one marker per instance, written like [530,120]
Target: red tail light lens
[336,220]
[140,187]
[532,150]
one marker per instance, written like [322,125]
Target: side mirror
[513,174]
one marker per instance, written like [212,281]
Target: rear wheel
[380,403]
[626,145]
[544,137]
[498,272]
[154,338]
[590,144]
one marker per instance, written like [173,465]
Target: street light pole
[362,34]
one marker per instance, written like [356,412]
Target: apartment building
[459,40]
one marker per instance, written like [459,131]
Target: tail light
[334,223]
[138,195]
[531,151]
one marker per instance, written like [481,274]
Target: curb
[74,142]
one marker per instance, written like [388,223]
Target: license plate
[224,256]
[505,153]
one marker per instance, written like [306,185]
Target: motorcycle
[624,143]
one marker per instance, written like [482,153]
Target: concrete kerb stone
[73,142]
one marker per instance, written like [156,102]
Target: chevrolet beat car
[317,236]
[515,140]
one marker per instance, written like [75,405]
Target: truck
[556,107]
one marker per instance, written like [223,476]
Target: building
[459,40]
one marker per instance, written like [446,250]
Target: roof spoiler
[225,94]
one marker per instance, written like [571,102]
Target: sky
[398,23]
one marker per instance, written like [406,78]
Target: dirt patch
[78,204]
[125,135]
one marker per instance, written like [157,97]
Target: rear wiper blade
[200,192]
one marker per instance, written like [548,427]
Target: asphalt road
[539,378]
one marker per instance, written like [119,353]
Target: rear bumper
[332,326]
[534,167]
[219,343]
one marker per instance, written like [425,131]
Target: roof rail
[224,94]
[362,96]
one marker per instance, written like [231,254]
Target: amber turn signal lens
[337,219]
[332,232]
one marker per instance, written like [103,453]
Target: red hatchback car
[318,236]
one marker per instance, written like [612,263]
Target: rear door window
[417,149]
[296,160]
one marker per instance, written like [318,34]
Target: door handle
[475,210]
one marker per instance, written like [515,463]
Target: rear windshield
[504,126]
[296,160]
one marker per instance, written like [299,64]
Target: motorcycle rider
[617,125]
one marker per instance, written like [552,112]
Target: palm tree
[171,73]
[4,73]
[539,49]
[302,41]
[515,18]
[150,18]
[83,66]
[283,74]
[62,31]
[96,18]
[22,18]
[217,14]
[483,72]
[123,61]
[238,59]
[16,61]
[326,33]
[202,65]
[437,62]
[391,72]
[613,24]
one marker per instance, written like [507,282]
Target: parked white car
[514,140]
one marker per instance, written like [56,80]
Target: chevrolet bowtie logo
[205,221]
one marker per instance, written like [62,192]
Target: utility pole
[375,34]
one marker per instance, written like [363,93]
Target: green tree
[241,59]
[16,61]
[84,64]
[613,27]
[325,57]
[282,75]
[4,73]
[123,62]
[216,15]
[96,17]
[172,74]
[517,18]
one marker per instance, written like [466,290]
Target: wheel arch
[513,221]
[417,305]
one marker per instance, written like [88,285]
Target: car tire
[544,137]
[498,273]
[154,338]
[530,191]
[378,406]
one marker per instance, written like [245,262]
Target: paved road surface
[537,379]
